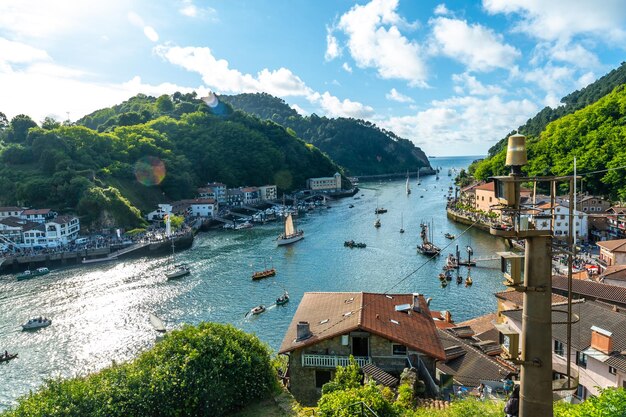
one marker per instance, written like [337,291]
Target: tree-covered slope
[145,150]
[571,102]
[595,135]
[357,145]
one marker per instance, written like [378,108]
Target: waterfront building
[485,196]
[219,190]
[62,230]
[202,207]
[38,215]
[616,217]
[250,195]
[612,252]
[386,331]
[325,183]
[234,197]
[10,211]
[467,194]
[268,192]
[544,214]
[34,235]
[597,346]
[11,229]
[159,214]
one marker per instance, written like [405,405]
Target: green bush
[205,370]
[346,403]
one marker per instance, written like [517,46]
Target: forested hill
[595,135]
[144,151]
[357,145]
[571,102]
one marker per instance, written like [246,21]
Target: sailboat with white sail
[175,270]
[291,233]
[408,189]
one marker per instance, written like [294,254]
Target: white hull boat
[37,323]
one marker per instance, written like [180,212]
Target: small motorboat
[459,279]
[28,274]
[157,323]
[351,206]
[442,277]
[36,323]
[449,236]
[264,274]
[283,299]
[377,224]
[468,281]
[380,210]
[258,309]
[444,283]
[7,356]
[401,230]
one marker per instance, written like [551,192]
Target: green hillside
[117,161]
[571,102]
[595,135]
[357,145]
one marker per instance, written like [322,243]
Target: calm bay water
[100,312]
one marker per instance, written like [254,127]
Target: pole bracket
[535,362]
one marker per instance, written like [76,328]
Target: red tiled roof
[490,186]
[62,219]
[616,272]
[617,245]
[35,211]
[517,298]
[250,189]
[333,314]
[480,324]
[3,209]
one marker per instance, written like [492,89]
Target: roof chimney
[416,302]
[601,340]
[303,331]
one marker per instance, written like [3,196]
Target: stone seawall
[459,218]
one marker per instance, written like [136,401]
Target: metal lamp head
[516,153]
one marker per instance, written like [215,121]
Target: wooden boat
[427,247]
[264,274]
[380,210]
[468,280]
[291,233]
[7,357]
[28,274]
[442,277]
[283,299]
[449,236]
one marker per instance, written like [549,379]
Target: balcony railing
[330,361]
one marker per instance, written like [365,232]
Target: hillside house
[612,252]
[11,211]
[62,230]
[219,190]
[616,217]
[268,192]
[389,331]
[38,215]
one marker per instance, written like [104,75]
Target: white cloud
[586,79]
[218,76]
[347,67]
[441,10]
[18,52]
[564,51]
[466,83]
[151,33]
[332,46]
[299,109]
[554,80]
[399,97]
[564,19]
[476,46]
[462,122]
[375,41]
[189,9]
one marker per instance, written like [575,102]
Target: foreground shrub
[205,370]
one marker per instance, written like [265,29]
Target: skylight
[324,321]
[394,321]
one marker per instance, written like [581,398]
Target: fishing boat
[427,247]
[291,233]
[157,323]
[264,274]
[258,309]
[449,236]
[283,299]
[408,189]
[28,274]
[7,357]
[176,270]
[36,323]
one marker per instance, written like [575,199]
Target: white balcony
[330,361]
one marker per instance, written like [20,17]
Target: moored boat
[157,323]
[7,356]
[377,223]
[283,299]
[28,274]
[449,236]
[427,247]
[264,274]
[36,323]
[258,309]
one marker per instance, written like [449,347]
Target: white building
[543,216]
[598,344]
[11,229]
[250,195]
[62,230]
[202,207]
[268,192]
[160,212]
[35,236]
[10,212]
[38,215]
[325,183]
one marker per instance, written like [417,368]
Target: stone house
[612,252]
[389,331]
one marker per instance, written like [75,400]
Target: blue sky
[454,77]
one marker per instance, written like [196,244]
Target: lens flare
[211,100]
[149,171]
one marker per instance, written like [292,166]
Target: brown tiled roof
[35,211]
[13,222]
[616,210]
[332,314]
[517,298]
[10,208]
[468,365]
[470,187]
[62,219]
[480,324]
[616,272]
[249,189]
[489,186]
[617,245]
[591,289]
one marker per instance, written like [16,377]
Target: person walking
[511,408]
